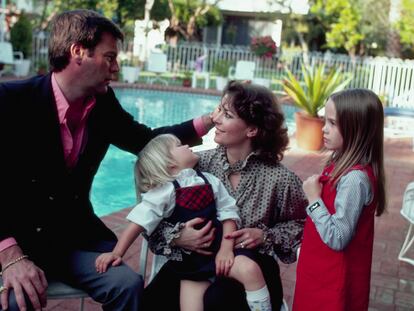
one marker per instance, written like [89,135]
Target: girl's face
[231,130]
[332,137]
[183,156]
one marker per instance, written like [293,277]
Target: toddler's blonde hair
[154,161]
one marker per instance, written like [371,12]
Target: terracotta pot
[309,134]
[186,82]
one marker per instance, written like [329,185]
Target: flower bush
[263,46]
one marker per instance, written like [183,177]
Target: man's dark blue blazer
[45,206]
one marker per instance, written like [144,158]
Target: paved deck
[392,285]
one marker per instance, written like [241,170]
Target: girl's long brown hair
[360,117]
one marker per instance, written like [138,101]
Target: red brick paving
[392,283]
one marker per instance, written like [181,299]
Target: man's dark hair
[78,26]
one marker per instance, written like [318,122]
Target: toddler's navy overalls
[192,202]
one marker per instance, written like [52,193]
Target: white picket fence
[388,77]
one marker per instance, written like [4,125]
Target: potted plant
[263,46]
[130,68]
[187,78]
[221,69]
[21,37]
[310,96]
[41,67]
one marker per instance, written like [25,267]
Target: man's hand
[24,277]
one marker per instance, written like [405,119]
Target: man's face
[100,66]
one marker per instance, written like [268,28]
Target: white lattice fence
[389,78]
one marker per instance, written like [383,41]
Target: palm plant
[311,95]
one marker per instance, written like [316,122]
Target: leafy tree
[357,27]
[374,23]
[406,28]
[188,16]
[341,18]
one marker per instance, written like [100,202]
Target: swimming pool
[113,186]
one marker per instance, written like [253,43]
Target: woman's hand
[246,237]
[194,239]
[312,188]
[24,277]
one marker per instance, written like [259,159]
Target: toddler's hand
[106,259]
[224,261]
[312,188]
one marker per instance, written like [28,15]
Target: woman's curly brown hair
[258,106]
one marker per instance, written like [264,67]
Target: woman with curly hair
[251,137]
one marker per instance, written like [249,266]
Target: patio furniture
[20,65]
[244,70]
[6,55]
[262,81]
[157,63]
[203,75]
[407,211]
[157,262]
[60,290]
[399,122]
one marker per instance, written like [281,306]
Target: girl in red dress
[334,266]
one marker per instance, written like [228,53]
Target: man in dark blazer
[55,131]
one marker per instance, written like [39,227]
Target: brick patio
[392,285]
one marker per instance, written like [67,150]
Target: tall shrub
[21,35]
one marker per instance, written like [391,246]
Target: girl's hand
[246,237]
[312,188]
[224,261]
[106,259]
[194,239]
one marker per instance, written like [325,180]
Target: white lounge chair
[6,55]
[399,122]
[157,63]
[244,70]
[407,211]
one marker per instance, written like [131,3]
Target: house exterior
[245,19]
[249,19]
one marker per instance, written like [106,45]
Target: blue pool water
[113,187]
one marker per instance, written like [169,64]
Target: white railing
[388,77]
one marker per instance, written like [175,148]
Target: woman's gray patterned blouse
[269,196]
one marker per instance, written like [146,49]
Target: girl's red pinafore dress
[336,280]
